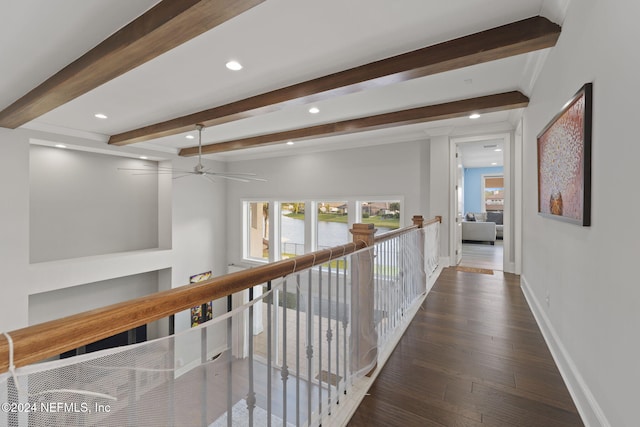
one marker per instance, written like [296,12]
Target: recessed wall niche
[58,303]
[82,205]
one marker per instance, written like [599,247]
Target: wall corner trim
[588,408]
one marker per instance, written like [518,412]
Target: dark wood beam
[449,110]
[497,43]
[167,25]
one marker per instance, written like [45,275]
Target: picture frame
[204,312]
[564,161]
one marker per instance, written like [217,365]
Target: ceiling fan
[198,169]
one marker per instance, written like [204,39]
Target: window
[257,239]
[384,215]
[332,228]
[493,195]
[292,229]
[304,226]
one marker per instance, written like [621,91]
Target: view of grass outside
[377,221]
[380,214]
[294,244]
[331,226]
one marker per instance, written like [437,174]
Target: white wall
[440,188]
[59,303]
[590,273]
[14,228]
[191,234]
[392,171]
[80,204]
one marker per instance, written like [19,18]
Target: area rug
[332,379]
[475,270]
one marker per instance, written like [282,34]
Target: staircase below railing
[295,355]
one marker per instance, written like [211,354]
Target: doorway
[481,173]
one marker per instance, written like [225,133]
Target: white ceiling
[279,42]
[484,153]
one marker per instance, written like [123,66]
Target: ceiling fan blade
[248,178]
[232,178]
[235,173]
[182,176]
[153,173]
[238,174]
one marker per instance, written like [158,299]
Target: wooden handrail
[35,343]
[433,221]
[394,233]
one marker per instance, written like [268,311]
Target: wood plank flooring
[472,356]
[481,255]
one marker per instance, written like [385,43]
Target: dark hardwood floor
[472,356]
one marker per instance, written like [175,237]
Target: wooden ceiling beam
[508,40]
[163,27]
[449,110]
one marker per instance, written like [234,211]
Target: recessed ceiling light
[234,65]
[100,116]
[190,137]
[474,116]
[61,146]
[498,149]
[314,110]
[143,157]
[290,143]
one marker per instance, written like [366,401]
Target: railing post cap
[362,228]
[363,233]
[418,220]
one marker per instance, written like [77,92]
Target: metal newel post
[364,337]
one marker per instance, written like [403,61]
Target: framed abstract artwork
[204,312]
[564,162]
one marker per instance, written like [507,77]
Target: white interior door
[459,205]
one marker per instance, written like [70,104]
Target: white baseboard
[181,370]
[432,280]
[445,261]
[591,413]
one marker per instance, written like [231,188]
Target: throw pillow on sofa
[495,217]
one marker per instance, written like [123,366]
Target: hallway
[479,255]
[473,355]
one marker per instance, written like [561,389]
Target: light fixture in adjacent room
[289,142]
[100,116]
[143,157]
[314,110]
[234,65]
[498,149]
[474,116]
[61,146]
[190,137]
[493,164]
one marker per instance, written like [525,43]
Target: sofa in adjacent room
[479,231]
[497,218]
[483,226]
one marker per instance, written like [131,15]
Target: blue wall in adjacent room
[473,187]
